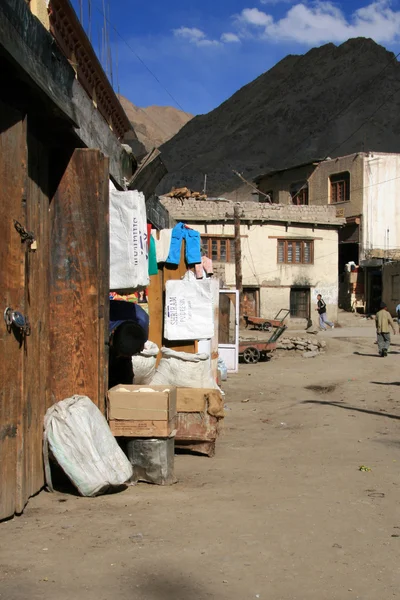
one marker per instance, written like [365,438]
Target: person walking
[383,321]
[321,308]
[398,315]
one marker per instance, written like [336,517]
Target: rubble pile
[301,344]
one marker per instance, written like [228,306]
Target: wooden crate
[142,429]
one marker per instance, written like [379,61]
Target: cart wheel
[267,326]
[251,355]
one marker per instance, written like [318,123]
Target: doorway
[228,329]
[251,301]
[300,303]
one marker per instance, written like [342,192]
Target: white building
[289,253]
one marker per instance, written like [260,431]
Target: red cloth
[149,228]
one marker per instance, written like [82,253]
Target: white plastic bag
[183,369]
[128,240]
[189,311]
[80,440]
[144,364]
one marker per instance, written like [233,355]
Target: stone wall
[193,211]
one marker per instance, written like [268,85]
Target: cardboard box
[142,414]
[191,399]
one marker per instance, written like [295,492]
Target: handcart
[267,324]
[253,351]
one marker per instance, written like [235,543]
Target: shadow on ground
[373,355]
[385,382]
[353,408]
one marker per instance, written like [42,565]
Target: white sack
[128,240]
[182,369]
[144,364]
[80,440]
[189,313]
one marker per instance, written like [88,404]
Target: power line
[362,124]
[141,60]
[345,108]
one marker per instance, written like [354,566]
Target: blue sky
[202,51]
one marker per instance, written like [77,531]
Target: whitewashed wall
[381,211]
[260,267]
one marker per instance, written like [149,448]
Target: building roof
[77,48]
[209,211]
[297,166]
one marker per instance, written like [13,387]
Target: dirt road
[281,513]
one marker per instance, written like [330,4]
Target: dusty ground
[281,513]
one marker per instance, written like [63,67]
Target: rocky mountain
[305,107]
[153,125]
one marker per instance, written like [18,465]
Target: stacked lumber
[184,192]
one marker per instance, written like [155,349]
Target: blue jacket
[192,238]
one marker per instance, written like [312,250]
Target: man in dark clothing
[321,308]
[129,330]
[383,321]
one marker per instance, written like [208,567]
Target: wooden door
[13,156]
[250,302]
[79,279]
[35,394]
[300,303]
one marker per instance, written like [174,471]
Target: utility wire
[141,60]
[347,106]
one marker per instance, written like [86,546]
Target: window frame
[335,180]
[299,193]
[291,241]
[207,242]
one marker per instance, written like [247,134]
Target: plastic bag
[189,313]
[144,364]
[80,440]
[222,367]
[183,369]
[128,240]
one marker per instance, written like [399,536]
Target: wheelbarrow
[253,351]
[267,324]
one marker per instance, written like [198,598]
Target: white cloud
[253,16]
[324,22]
[194,36]
[277,1]
[229,38]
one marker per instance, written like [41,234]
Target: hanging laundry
[153,268]
[163,244]
[204,269]
[192,238]
[128,240]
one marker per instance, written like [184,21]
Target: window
[299,192]
[396,288]
[220,249]
[340,187]
[299,252]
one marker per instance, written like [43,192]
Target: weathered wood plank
[103,282]
[35,397]
[13,156]
[76,295]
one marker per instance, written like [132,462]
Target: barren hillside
[296,111]
[154,125]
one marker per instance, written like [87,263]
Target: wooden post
[238,258]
